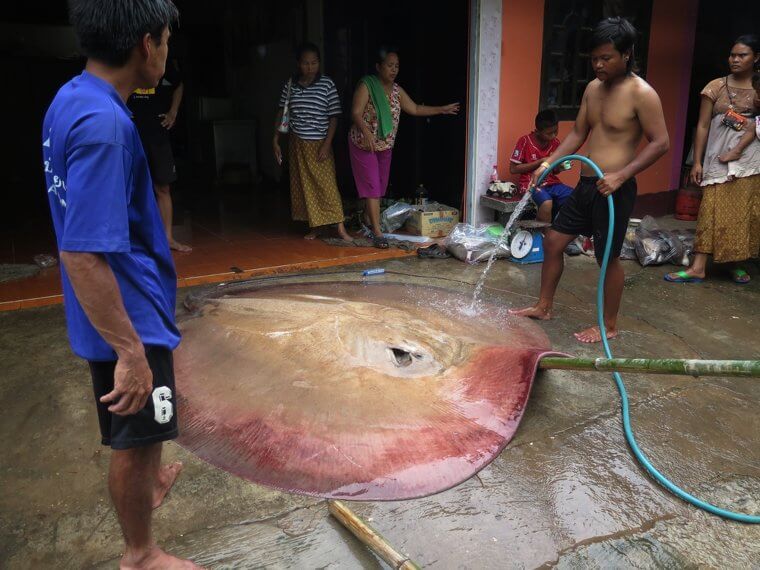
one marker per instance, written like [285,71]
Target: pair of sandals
[379,241]
[739,276]
[434,251]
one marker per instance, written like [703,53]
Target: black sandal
[434,251]
[380,242]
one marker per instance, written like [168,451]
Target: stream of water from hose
[516,213]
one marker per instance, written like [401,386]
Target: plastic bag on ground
[686,237]
[393,217]
[474,244]
[656,246]
[628,251]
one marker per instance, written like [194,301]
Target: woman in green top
[376,110]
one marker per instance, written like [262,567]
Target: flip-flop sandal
[380,242]
[682,277]
[740,276]
[434,251]
[364,231]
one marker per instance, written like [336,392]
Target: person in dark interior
[313,108]
[375,112]
[155,112]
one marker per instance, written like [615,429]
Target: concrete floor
[564,493]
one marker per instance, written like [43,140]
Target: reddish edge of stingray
[368,491]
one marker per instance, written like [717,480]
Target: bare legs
[698,269]
[164,199]
[551,272]
[340,228]
[133,481]
[372,215]
[544,213]
[343,233]
[613,294]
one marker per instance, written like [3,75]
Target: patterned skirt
[728,226]
[314,192]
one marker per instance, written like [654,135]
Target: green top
[382,106]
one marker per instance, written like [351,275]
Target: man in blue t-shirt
[119,282]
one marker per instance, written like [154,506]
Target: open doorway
[231,200]
[432,44]
[237,54]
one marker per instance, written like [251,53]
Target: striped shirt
[311,107]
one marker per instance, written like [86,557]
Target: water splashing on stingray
[352,390]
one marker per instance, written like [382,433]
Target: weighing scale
[527,245]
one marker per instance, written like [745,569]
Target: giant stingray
[352,390]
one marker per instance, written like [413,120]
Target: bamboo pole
[687,367]
[369,537]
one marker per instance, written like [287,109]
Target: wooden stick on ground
[369,537]
[686,367]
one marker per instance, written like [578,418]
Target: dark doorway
[37,54]
[235,56]
[433,45]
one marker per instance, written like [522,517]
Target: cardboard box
[433,224]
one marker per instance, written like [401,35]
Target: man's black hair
[620,33]
[756,80]
[545,119]
[108,30]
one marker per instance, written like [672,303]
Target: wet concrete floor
[565,493]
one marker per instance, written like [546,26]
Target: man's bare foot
[534,312]
[730,156]
[155,559]
[311,235]
[592,335]
[181,247]
[167,475]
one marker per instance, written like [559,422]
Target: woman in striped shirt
[313,108]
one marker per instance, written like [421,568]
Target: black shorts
[158,149]
[586,212]
[157,421]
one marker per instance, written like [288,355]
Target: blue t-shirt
[101,200]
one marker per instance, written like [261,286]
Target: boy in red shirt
[533,149]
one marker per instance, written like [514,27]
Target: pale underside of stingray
[349,390]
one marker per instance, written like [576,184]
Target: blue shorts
[556,192]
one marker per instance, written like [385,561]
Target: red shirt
[526,151]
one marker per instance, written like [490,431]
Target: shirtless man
[618,107]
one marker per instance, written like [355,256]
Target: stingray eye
[401,357]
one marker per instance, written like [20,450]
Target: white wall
[483,104]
